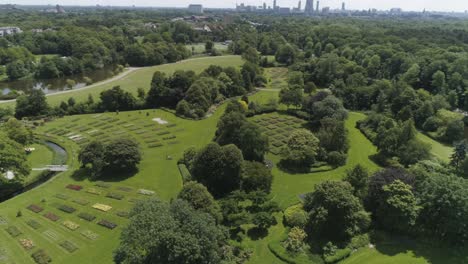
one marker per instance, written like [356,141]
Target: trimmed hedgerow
[66,209]
[107,224]
[41,257]
[86,216]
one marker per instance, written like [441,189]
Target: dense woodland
[408,76]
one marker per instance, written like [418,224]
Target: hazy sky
[418,5]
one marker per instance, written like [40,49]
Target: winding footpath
[115,78]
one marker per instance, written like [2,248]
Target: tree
[18,131]
[122,155]
[286,54]
[412,75]
[263,220]
[218,168]
[13,158]
[333,205]
[291,96]
[251,55]
[163,233]
[295,241]
[16,70]
[438,81]
[455,131]
[34,104]
[92,156]
[252,142]
[117,99]
[301,149]
[200,199]
[459,154]
[358,177]
[296,79]
[256,176]
[209,46]
[398,209]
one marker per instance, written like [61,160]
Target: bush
[86,216]
[107,224]
[13,231]
[336,159]
[41,257]
[116,196]
[295,216]
[69,246]
[34,224]
[66,209]
[185,173]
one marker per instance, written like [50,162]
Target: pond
[60,154]
[55,85]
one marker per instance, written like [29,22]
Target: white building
[4,31]
[195,9]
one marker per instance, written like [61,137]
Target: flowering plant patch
[69,246]
[41,257]
[51,216]
[66,209]
[93,191]
[86,216]
[107,224]
[26,243]
[71,225]
[90,235]
[13,231]
[34,224]
[145,192]
[35,208]
[116,196]
[74,187]
[81,201]
[102,207]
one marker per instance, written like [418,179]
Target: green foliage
[18,132]
[358,177]
[34,104]
[295,240]
[256,177]
[301,149]
[295,216]
[200,199]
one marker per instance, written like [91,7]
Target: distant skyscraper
[299,5]
[309,7]
[274,4]
[317,7]
[264,6]
[343,6]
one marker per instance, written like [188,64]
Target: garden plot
[277,128]
[3,220]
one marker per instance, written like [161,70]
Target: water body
[60,158]
[55,85]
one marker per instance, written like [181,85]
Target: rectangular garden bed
[86,216]
[107,224]
[66,209]
[35,208]
[69,246]
[51,217]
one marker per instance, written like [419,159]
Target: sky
[407,5]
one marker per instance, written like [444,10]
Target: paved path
[115,78]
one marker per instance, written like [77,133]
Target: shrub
[41,257]
[295,241]
[336,159]
[13,231]
[295,216]
[185,173]
[66,209]
[26,243]
[116,196]
[339,255]
[69,246]
[86,216]
[51,216]
[74,187]
[107,224]
[35,208]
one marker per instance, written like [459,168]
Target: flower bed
[102,207]
[86,216]
[41,257]
[61,196]
[3,221]
[51,216]
[93,191]
[116,196]
[26,243]
[13,231]
[74,187]
[69,246]
[35,208]
[80,201]
[66,209]
[34,224]
[125,189]
[103,185]
[107,224]
[90,235]
[145,192]
[123,214]
[71,225]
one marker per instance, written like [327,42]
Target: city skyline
[414,5]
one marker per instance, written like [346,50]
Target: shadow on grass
[434,252]
[108,176]
[257,233]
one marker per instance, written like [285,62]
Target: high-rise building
[317,7]
[343,6]
[196,9]
[309,7]
[274,4]
[299,5]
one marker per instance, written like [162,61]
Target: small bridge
[57,168]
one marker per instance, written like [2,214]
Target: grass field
[439,150]
[142,78]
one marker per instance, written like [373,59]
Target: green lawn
[39,158]
[439,150]
[142,78]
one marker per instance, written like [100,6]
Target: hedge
[184,172]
